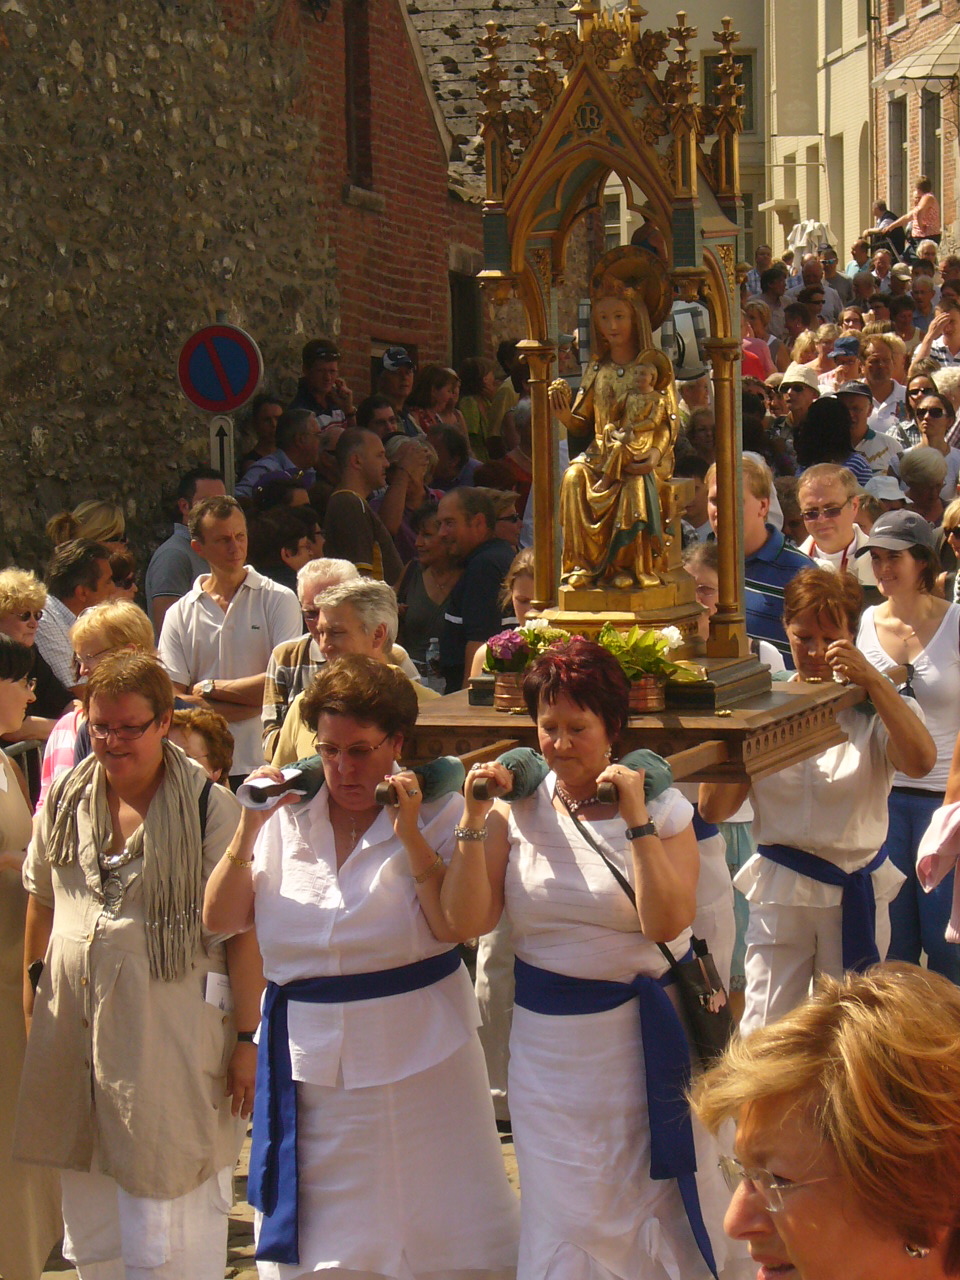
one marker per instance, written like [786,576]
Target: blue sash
[702,829]
[858,905]
[666,1058]
[272,1186]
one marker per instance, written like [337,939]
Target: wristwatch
[636,833]
[208,688]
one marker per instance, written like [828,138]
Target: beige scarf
[172,848]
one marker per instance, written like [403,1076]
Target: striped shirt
[292,666]
[766,574]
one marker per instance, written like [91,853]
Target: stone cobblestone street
[240,1261]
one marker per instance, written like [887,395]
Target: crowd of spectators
[388,539]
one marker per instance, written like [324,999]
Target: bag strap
[204,805]
[620,878]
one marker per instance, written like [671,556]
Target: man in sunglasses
[828,500]
[78,576]
[833,276]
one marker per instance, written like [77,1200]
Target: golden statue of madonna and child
[615,495]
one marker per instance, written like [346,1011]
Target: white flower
[541,624]
[672,636]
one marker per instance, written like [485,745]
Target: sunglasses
[826,513]
[35,614]
[931,413]
[124,583]
[954,532]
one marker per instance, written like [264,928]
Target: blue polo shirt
[766,573]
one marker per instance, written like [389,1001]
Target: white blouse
[313,921]
[568,912]
[833,805]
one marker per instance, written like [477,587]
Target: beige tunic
[29,1198]
[125,1074]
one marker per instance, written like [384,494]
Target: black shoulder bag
[702,994]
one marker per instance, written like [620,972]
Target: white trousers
[787,947]
[717,925]
[111,1235]
[494,988]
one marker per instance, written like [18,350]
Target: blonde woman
[102,630]
[22,601]
[825,336]
[101,522]
[758,313]
[847,1152]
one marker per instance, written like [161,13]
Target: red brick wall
[888,49]
[392,264]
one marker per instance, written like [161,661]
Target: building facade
[751,53]
[819,142]
[917,115]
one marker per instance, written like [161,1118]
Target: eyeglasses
[27,614]
[931,413]
[357,754]
[125,732]
[825,513]
[705,592]
[124,583]
[770,1189]
[88,659]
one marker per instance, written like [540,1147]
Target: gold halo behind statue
[644,275]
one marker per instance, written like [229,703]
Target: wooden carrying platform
[758,736]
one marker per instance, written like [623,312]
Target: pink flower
[507,645]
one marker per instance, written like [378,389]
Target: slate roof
[449,35]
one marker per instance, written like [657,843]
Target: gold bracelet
[433,868]
[238,862]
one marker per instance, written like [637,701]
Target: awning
[940,60]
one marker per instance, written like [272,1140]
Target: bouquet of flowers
[515,650]
[643,653]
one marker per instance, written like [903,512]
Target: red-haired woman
[824,907]
[603,1194]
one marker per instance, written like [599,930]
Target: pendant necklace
[113,887]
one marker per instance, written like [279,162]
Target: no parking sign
[219,369]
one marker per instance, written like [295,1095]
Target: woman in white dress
[605,1190]
[375,1150]
[817,887]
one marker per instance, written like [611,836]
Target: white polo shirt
[199,641]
